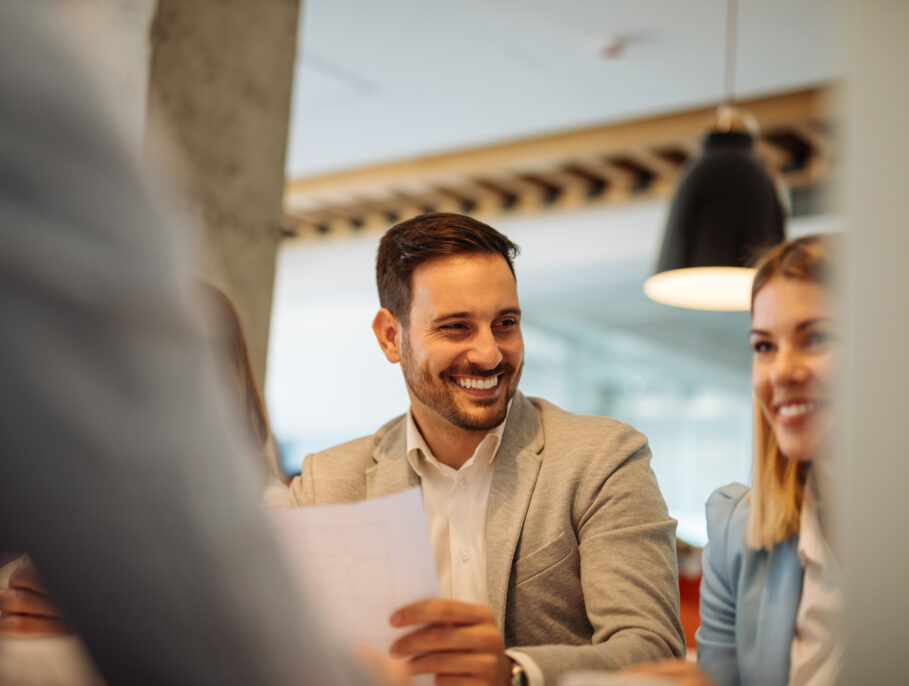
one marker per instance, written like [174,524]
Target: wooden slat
[561,170]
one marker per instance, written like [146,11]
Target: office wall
[874,464]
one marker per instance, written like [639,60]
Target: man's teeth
[478,384]
[795,409]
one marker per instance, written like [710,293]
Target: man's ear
[388,332]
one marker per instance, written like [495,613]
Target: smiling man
[554,547]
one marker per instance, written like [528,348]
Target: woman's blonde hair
[778,483]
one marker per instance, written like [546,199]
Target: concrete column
[219,87]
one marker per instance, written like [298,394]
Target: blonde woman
[771,593]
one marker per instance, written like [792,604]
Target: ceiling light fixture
[725,211]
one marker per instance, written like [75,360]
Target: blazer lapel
[776,617]
[517,465]
[392,472]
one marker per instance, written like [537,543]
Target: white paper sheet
[362,561]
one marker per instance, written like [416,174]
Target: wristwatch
[518,675]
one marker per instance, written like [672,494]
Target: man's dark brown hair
[408,244]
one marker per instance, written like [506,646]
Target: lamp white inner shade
[703,288]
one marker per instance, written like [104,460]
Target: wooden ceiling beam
[612,163]
[538,152]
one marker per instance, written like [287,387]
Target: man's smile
[480,385]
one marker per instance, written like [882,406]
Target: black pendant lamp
[725,211]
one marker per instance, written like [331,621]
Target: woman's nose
[789,367]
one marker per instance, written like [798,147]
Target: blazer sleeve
[628,567]
[716,636]
[301,487]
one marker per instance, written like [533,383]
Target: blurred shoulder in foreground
[124,473]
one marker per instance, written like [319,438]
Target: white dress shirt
[456,501]
[816,655]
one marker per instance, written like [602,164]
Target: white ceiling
[378,81]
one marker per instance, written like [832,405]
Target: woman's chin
[798,449]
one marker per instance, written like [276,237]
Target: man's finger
[28,602]
[26,576]
[458,680]
[473,638]
[684,672]
[442,611]
[678,667]
[30,626]
[385,671]
[481,665]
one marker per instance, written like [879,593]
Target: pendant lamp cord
[732,7]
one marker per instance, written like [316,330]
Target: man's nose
[484,350]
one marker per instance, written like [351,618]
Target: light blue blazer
[749,598]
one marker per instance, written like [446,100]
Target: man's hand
[460,644]
[27,609]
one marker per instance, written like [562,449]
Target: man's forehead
[464,284]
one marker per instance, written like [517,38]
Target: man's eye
[507,323]
[453,327]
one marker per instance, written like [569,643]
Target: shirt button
[465,556]
[463,483]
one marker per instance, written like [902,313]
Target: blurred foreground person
[771,594]
[26,608]
[123,474]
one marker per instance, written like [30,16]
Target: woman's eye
[761,347]
[818,338]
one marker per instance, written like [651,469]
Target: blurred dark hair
[410,243]
[234,355]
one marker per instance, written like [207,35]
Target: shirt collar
[419,454]
[812,546]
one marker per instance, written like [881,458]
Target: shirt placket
[463,554]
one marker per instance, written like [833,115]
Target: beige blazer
[580,549]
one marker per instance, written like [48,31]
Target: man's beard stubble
[435,393]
